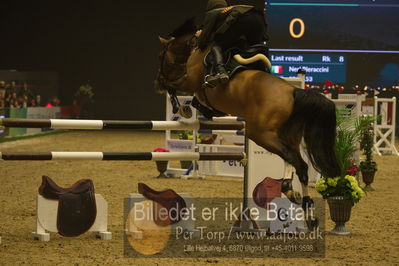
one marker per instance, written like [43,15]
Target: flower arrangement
[353,170]
[346,186]
[342,192]
[348,136]
[188,134]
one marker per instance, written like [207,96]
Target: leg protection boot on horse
[308,207]
[289,192]
[220,76]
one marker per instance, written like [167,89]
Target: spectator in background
[13,87]
[32,102]
[25,90]
[7,100]
[24,99]
[8,88]
[38,99]
[2,93]
[15,101]
[54,101]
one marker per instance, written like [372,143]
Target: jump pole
[114,124]
[242,224]
[121,156]
[225,132]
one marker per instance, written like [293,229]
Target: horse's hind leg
[291,154]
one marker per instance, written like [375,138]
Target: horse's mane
[188,27]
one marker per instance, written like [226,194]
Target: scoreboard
[318,67]
[350,42]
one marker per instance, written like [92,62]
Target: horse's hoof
[312,223]
[286,185]
[307,203]
[293,196]
[185,111]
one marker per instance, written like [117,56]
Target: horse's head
[174,55]
[173,58]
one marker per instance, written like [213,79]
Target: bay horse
[277,114]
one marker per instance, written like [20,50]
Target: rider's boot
[221,76]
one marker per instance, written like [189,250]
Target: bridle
[171,85]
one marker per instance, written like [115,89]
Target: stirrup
[207,83]
[217,80]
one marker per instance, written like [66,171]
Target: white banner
[41,113]
[180,145]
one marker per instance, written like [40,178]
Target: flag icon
[277,69]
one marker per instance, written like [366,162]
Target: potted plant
[84,98]
[343,191]
[368,167]
[349,130]
[162,166]
[186,135]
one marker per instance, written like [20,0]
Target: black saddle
[232,66]
[77,209]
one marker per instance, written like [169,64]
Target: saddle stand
[46,213]
[70,211]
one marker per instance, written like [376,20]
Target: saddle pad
[76,205]
[266,191]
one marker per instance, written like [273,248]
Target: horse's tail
[315,116]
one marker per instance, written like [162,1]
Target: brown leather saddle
[167,200]
[77,209]
[266,191]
